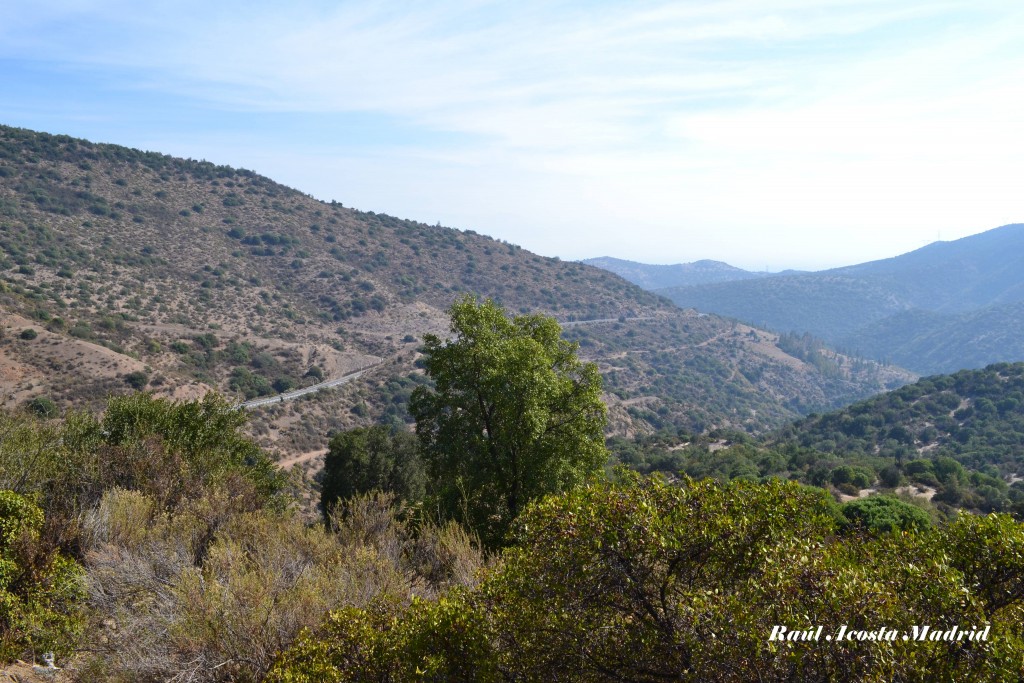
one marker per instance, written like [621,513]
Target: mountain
[940,308]
[125,270]
[960,434]
[956,440]
[653,277]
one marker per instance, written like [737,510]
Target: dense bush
[362,460]
[884,513]
[646,581]
[40,587]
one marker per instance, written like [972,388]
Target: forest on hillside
[946,443]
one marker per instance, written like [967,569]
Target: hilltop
[126,270]
[652,277]
[946,306]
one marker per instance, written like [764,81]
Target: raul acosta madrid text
[846,634]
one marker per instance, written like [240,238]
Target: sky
[769,134]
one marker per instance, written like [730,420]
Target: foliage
[441,640]
[646,581]
[214,592]
[513,415]
[204,436]
[368,458]
[884,514]
[169,450]
[40,588]
[43,406]
[136,380]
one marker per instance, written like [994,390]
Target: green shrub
[643,581]
[882,514]
[136,380]
[362,460]
[40,588]
[43,406]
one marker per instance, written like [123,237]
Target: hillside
[959,435]
[974,416]
[651,276]
[946,343]
[937,309]
[126,270]
[946,441]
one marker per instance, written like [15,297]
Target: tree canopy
[368,458]
[513,415]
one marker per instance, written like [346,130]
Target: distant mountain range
[653,277]
[941,308]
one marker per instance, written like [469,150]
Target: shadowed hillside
[944,307]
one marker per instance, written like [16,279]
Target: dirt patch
[863,493]
[926,492]
[309,458]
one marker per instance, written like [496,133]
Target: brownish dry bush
[203,596]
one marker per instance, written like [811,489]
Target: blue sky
[767,133]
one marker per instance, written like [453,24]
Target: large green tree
[513,415]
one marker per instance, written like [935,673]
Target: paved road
[326,384]
[574,323]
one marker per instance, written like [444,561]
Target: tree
[362,460]
[513,415]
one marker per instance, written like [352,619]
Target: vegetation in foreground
[641,580]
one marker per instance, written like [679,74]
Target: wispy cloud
[690,120]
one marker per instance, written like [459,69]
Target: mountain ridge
[652,276]
[865,307]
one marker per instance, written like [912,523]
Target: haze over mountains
[941,308]
[124,269]
[652,277]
